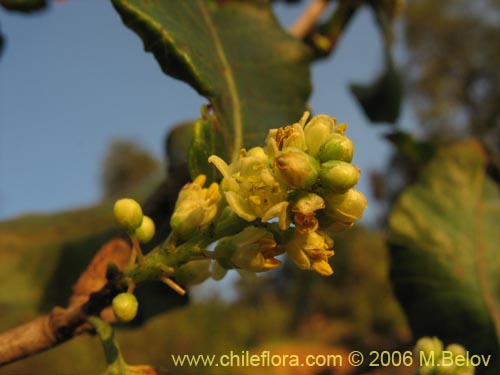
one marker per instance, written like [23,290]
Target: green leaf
[23,5]
[413,150]
[381,99]
[444,242]
[254,74]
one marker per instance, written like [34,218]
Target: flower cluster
[303,178]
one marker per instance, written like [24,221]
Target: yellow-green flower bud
[307,203]
[456,349]
[344,208]
[430,346]
[337,147]
[316,131]
[297,168]
[146,231]
[125,307]
[338,176]
[128,214]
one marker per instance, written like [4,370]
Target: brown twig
[308,19]
[94,290]
[92,294]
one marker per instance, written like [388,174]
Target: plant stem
[308,19]
[325,40]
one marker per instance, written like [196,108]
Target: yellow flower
[311,251]
[250,187]
[196,207]
[253,249]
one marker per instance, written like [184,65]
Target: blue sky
[74,78]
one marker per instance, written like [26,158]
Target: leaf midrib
[237,124]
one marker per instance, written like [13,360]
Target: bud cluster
[434,359]
[129,217]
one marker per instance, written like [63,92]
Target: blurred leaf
[207,140]
[417,152]
[444,245]
[2,43]
[381,99]
[42,256]
[235,53]
[125,167]
[179,139]
[23,5]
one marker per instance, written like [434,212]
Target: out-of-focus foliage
[23,5]
[454,59]
[381,99]
[290,312]
[444,243]
[125,167]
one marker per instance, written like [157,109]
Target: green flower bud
[297,168]
[456,349]
[317,131]
[125,307]
[146,231]
[344,208]
[338,176]
[337,147]
[431,346]
[128,214]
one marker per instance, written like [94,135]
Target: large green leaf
[444,238]
[254,74]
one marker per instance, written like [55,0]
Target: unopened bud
[125,307]
[430,346]
[456,349]
[317,131]
[146,231]
[337,147]
[297,168]
[128,214]
[338,176]
[345,208]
